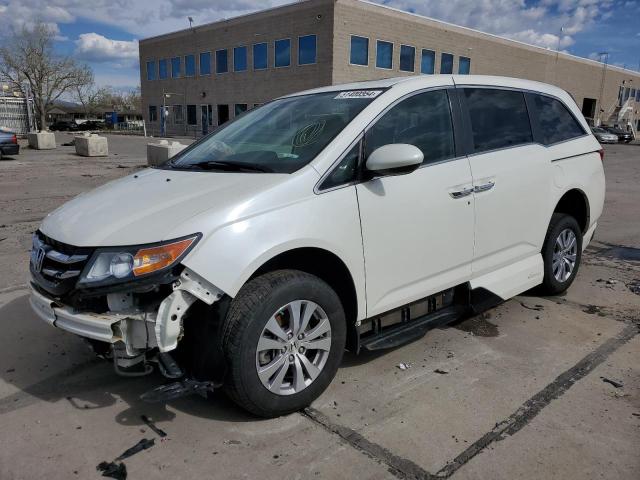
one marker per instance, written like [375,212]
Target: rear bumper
[10,149]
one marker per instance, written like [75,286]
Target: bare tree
[28,58]
[91,97]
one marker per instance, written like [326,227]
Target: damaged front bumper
[124,325]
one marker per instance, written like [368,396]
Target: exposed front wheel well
[575,203]
[328,267]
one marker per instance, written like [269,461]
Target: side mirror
[395,159]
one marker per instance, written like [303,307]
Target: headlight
[113,265]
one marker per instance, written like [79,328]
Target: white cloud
[97,48]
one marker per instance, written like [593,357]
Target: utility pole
[604,75]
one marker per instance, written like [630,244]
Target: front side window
[260,59]
[163,69]
[222,61]
[428,63]
[205,63]
[151,70]
[407,58]
[423,120]
[279,137]
[239,59]
[190,66]
[359,51]
[446,63]
[346,171]
[555,122]
[153,113]
[499,118]
[175,67]
[307,50]
[192,116]
[464,66]
[384,54]
[283,52]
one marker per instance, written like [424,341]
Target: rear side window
[499,118]
[555,122]
[423,120]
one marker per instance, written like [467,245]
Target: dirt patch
[480,326]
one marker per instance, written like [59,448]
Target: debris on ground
[634,286]
[404,366]
[479,326]
[161,433]
[592,309]
[118,471]
[450,354]
[441,371]
[232,442]
[615,383]
[537,308]
[143,444]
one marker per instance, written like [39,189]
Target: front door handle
[484,187]
[461,193]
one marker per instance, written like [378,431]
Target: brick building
[208,74]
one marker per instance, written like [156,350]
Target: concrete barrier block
[41,140]
[91,145]
[159,153]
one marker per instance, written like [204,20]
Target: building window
[223,114]
[190,66]
[384,54]
[307,50]
[464,66]
[151,70]
[222,61]
[153,113]
[192,115]
[239,108]
[446,63]
[407,58]
[210,115]
[428,62]
[260,58]
[239,59]
[205,63]
[178,115]
[633,93]
[283,52]
[175,67]
[359,51]
[163,69]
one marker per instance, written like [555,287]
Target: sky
[105,33]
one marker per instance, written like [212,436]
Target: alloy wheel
[565,252]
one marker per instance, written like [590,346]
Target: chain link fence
[16,114]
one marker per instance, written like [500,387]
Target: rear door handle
[462,193]
[484,187]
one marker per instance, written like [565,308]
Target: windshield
[279,137]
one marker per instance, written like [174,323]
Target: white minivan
[353,216]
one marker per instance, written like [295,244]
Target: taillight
[14,139]
[601,152]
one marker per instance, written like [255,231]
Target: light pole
[604,74]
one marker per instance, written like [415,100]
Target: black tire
[559,222]
[248,314]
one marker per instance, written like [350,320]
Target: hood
[147,206]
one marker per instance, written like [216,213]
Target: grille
[56,266]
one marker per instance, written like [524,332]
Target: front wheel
[283,340]
[561,253]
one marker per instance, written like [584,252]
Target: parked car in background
[63,126]
[604,136]
[622,135]
[242,265]
[8,143]
[91,125]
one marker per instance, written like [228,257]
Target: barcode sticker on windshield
[358,94]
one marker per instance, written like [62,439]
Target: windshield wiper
[226,166]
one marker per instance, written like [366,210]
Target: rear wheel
[562,253]
[283,341]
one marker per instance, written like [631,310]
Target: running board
[407,332]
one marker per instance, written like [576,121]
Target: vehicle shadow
[46,364]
